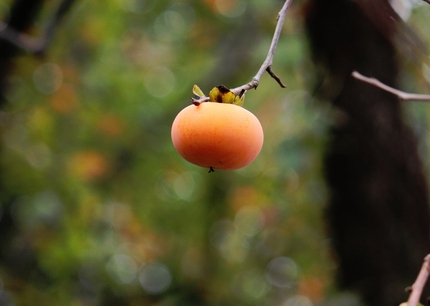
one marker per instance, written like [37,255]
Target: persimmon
[217,135]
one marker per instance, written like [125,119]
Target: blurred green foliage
[112,213]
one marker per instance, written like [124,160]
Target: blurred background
[97,207]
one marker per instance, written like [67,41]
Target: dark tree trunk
[378,212]
[17,257]
[22,16]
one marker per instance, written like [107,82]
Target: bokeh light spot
[231,244]
[249,220]
[174,23]
[220,231]
[282,272]
[298,300]
[160,81]
[184,185]
[43,209]
[250,285]
[39,155]
[173,186]
[136,6]
[155,278]
[230,8]
[169,26]
[122,268]
[47,78]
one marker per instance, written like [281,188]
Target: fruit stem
[197,102]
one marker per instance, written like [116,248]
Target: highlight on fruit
[219,135]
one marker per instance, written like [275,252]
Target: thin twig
[267,64]
[36,45]
[400,94]
[417,287]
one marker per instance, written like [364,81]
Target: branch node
[255,82]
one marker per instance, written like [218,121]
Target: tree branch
[400,94]
[35,45]
[267,64]
[417,287]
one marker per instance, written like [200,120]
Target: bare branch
[266,66]
[400,94]
[417,287]
[40,44]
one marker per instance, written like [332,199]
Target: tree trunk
[22,15]
[17,257]
[378,212]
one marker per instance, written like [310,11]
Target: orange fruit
[217,135]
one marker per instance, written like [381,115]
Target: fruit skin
[217,135]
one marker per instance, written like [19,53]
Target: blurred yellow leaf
[64,100]
[110,125]
[88,165]
[312,287]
